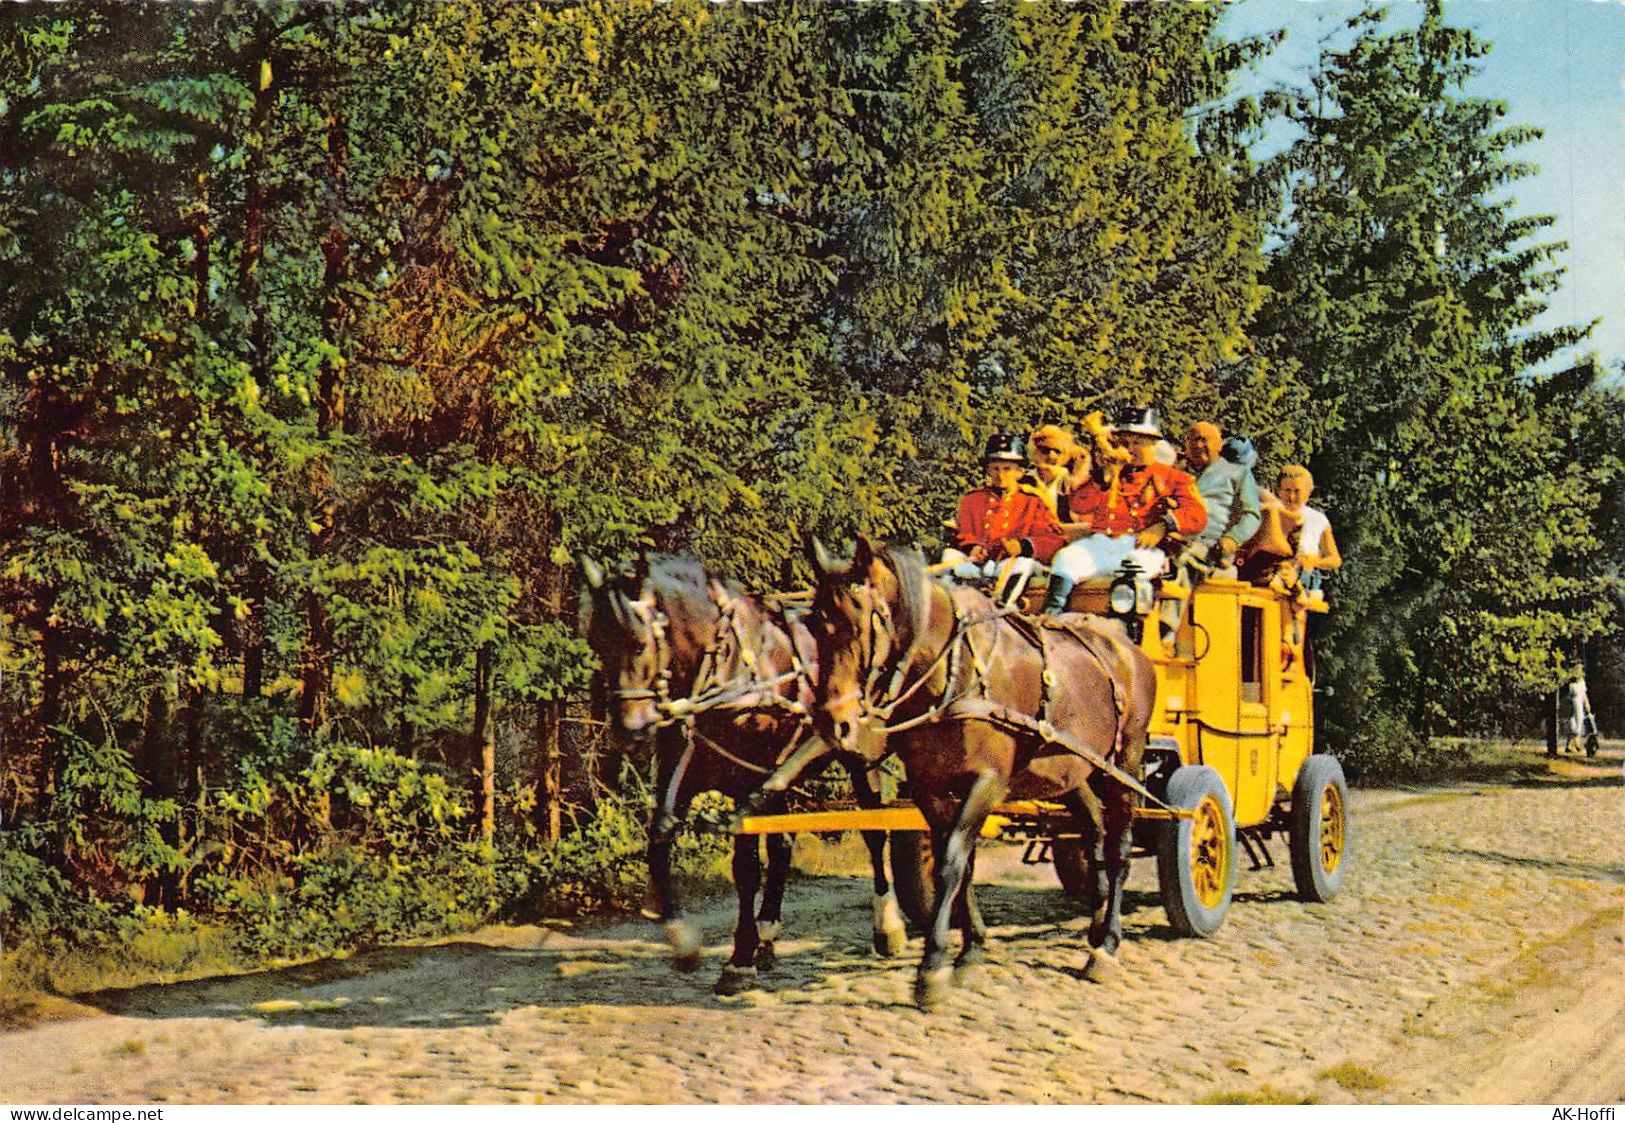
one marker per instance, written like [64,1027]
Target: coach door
[1239,675]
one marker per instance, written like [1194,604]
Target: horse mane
[667,577]
[678,576]
[913,582]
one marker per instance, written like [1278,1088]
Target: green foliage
[333,333]
[1403,289]
[1387,750]
[348,897]
[33,893]
[598,866]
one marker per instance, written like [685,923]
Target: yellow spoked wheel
[1196,855]
[1210,854]
[1319,828]
[1331,827]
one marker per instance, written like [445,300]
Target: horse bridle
[709,690]
[879,621]
[650,615]
[879,711]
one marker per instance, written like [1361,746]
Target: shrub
[351,845]
[347,897]
[600,864]
[32,892]
[1386,749]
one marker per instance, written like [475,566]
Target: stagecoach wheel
[1319,836]
[1196,856]
[1071,866]
[913,869]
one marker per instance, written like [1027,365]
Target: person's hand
[1228,546]
[1306,562]
[978,554]
[1151,537]
[1012,547]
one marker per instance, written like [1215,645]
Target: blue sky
[1559,65]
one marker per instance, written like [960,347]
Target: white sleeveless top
[1313,533]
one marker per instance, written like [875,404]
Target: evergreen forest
[332,335]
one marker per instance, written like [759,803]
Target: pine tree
[1403,287]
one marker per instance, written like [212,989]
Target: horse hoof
[684,942]
[890,935]
[891,942]
[736,980]
[766,957]
[970,961]
[1103,968]
[931,987]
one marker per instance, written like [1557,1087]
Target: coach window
[1252,653]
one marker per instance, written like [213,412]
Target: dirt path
[1476,956]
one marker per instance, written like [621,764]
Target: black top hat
[1006,446]
[1138,419]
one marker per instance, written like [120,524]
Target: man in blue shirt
[1224,476]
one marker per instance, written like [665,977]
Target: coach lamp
[1130,598]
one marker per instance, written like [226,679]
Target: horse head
[626,629]
[852,622]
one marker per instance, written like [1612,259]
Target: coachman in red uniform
[1003,530]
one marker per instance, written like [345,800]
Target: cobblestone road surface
[1475,956]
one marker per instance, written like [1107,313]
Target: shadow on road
[824,955]
[1614,872]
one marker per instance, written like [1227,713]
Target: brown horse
[983,705]
[724,688]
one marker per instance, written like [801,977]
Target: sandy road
[1477,955]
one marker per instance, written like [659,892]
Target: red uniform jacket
[986,518]
[1144,495]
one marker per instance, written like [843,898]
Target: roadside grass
[1356,1078]
[41,971]
[1266,1095]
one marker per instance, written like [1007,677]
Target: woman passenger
[1315,546]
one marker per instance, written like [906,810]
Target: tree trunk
[318,657]
[257,582]
[50,710]
[253,630]
[549,716]
[549,779]
[408,734]
[485,739]
[40,500]
[159,771]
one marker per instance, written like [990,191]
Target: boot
[1060,588]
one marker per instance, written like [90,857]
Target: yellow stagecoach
[1230,763]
